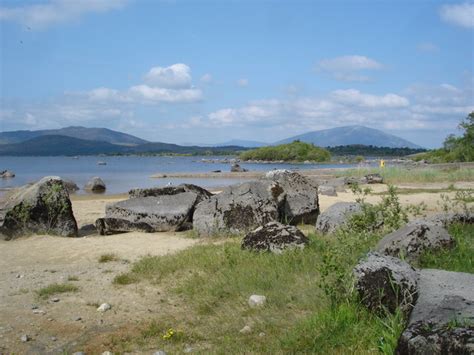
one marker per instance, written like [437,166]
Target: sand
[28,264]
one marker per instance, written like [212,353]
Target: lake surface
[123,173]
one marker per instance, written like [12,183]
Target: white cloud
[355,97]
[243,82]
[427,47]
[206,78]
[176,76]
[458,14]
[42,15]
[156,94]
[348,68]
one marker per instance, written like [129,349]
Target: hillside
[349,135]
[55,145]
[91,134]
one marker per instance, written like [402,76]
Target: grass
[56,288]
[394,175]
[460,258]
[213,283]
[72,278]
[106,258]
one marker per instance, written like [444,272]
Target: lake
[122,173]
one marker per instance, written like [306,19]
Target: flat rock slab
[239,208]
[275,237]
[336,216]
[202,194]
[386,283]
[442,321]
[149,214]
[410,241]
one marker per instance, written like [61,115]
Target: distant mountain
[242,143]
[90,134]
[55,145]
[349,135]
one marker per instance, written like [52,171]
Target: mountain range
[90,141]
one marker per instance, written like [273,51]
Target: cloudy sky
[209,71]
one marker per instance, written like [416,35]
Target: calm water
[123,173]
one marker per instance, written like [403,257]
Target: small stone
[188,349]
[55,299]
[53,338]
[261,334]
[19,276]
[39,311]
[245,330]
[107,353]
[257,301]
[33,306]
[160,352]
[77,319]
[24,338]
[104,307]
[79,353]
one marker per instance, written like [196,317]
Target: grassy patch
[125,279]
[460,258]
[56,288]
[72,278]
[106,258]
[394,175]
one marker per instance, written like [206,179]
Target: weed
[56,288]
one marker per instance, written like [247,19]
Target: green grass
[56,288]
[460,258]
[106,258]
[394,175]
[213,283]
[72,278]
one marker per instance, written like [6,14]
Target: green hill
[296,152]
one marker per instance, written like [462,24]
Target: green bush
[296,152]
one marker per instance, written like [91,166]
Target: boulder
[149,214]
[275,237]
[386,283]
[6,174]
[327,190]
[202,194]
[410,241]
[374,179]
[70,185]
[445,219]
[442,321]
[239,208]
[96,184]
[339,184]
[43,207]
[236,168]
[336,216]
[301,203]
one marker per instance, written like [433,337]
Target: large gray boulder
[96,184]
[410,241]
[70,185]
[239,208]
[149,214]
[442,321]
[336,216]
[374,179]
[301,203]
[445,219]
[386,283]
[202,194]
[275,237]
[43,207]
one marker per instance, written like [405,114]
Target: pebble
[19,276]
[188,349]
[107,353]
[24,338]
[53,338]
[245,330]
[261,335]
[79,353]
[160,352]
[55,299]
[33,306]
[104,307]
[77,319]
[39,311]
[257,301]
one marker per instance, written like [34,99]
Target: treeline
[370,150]
[292,152]
[455,149]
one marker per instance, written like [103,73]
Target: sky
[211,71]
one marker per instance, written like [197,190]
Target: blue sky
[210,71]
